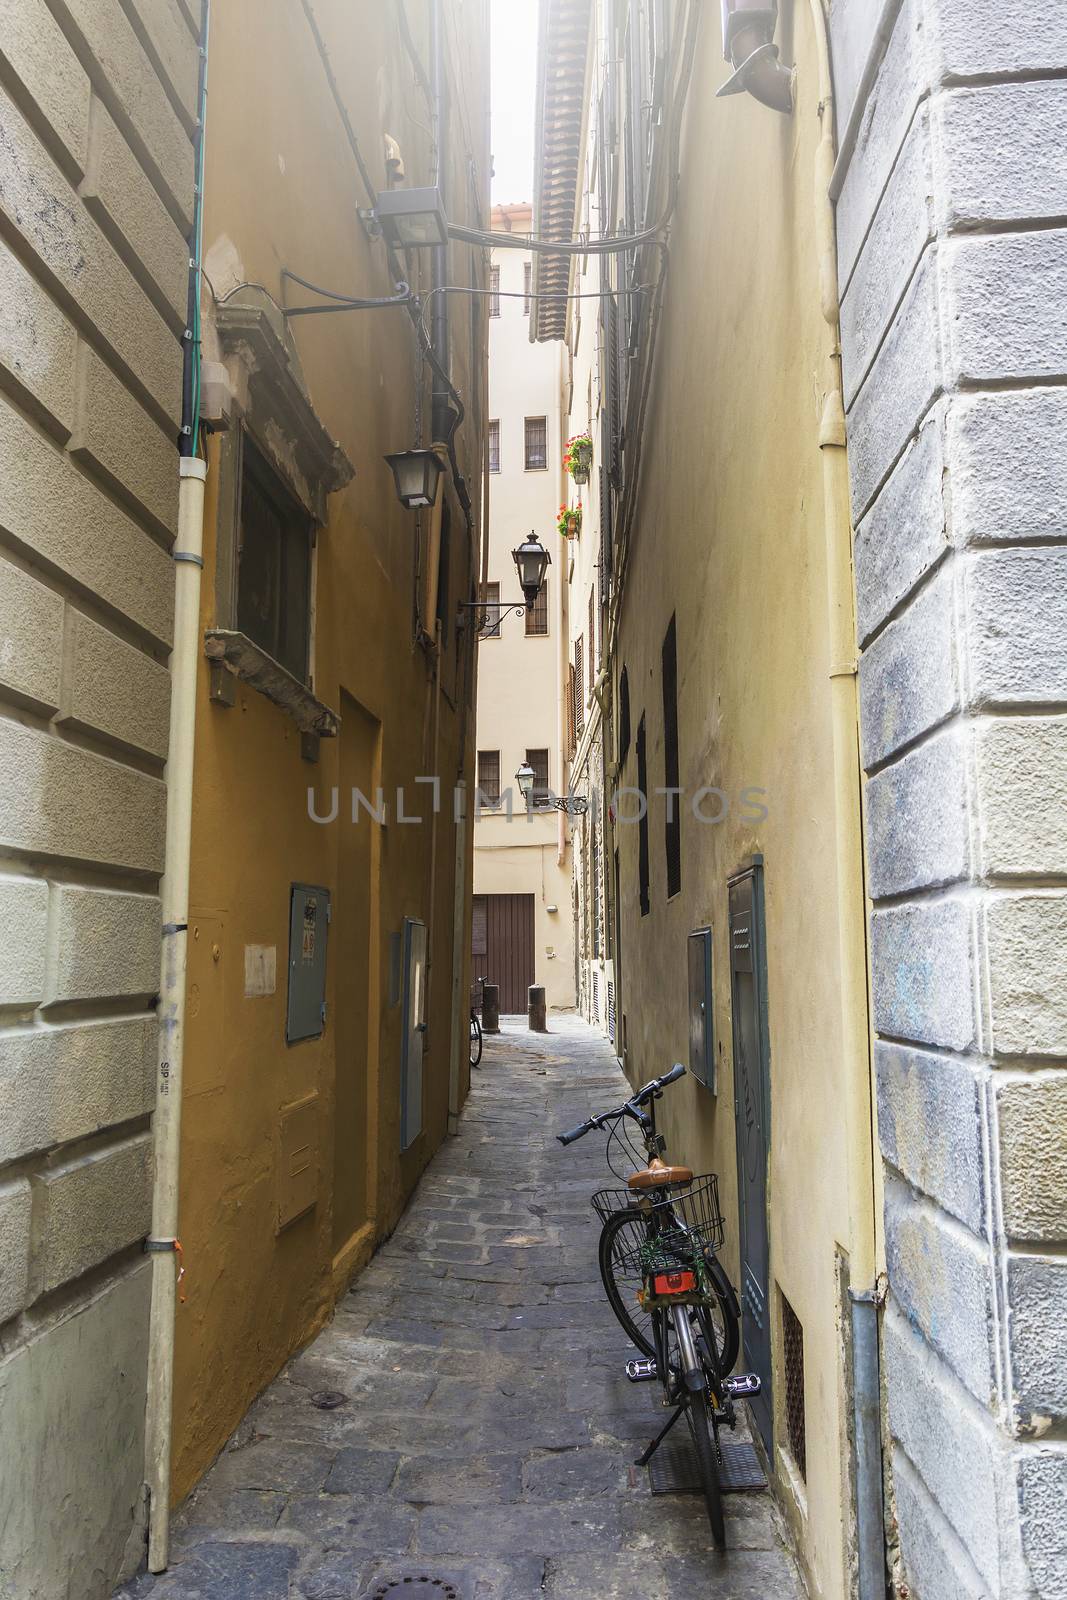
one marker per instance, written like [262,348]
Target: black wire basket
[681,1217]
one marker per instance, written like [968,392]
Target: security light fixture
[525,780]
[531,561]
[416,473]
[412,218]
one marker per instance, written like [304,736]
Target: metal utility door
[309,916]
[414,1031]
[502,946]
[748,989]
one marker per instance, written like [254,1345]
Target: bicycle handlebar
[642,1097]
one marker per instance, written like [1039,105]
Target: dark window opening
[673,807]
[535,444]
[624,716]
[273,566]
[537,614]
[494,445]
[642,826]
[489,777]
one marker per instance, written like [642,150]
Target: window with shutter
[527,283]
[494,445]
[579,687]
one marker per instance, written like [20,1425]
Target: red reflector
[674,1283]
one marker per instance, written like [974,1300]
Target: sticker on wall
[307,953]
[261,970]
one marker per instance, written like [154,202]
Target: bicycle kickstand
[646,1455]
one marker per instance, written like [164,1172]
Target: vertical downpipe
[163,1244]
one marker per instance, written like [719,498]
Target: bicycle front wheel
[476,1040]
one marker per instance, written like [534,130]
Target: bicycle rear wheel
[703,1433]
[620,1267]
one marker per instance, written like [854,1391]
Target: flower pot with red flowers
[578,457]
[569,521]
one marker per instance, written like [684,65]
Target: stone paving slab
[487,1433]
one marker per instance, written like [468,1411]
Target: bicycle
[658,1247]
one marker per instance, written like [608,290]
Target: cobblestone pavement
[488,1430]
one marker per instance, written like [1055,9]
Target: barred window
[536,444]
[539,794]
[494,291]
[489,776]
[273,566]
[491,630]
[537,614]
[494,445]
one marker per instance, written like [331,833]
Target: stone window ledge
[236,653]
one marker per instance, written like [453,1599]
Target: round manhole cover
[328,1399]
[417,1586]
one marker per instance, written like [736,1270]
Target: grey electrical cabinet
[309,920]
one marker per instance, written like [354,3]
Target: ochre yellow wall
[282,190]
[730,535]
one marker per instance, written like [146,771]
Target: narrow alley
[464,1427]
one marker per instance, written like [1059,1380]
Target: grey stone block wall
[952,244]
[97,113]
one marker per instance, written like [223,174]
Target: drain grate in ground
[413,1586]
[674,1468]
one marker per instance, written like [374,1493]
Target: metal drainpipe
[163,1242]
[441,413]
[851,884]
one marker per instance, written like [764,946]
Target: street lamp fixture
[416,473]
[531,562]
[574,805]
[412,218]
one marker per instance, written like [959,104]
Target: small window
[642,826]
[579,687]
[489,777]
[491,629]
[540,796]
[494,445]
[624,716]
[537,614]
[673,807]
[793,1351]
[494,291]
[273,566]
[527,285]
[535,452]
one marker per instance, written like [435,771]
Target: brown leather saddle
[658,1173]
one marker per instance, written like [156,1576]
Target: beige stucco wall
[729,536]
[519,678]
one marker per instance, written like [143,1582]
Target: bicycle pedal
[641,1371]
[744,1385]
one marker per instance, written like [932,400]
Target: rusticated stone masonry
[952,239]
[97,111]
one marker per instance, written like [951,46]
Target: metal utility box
[309,920]
[701,1020]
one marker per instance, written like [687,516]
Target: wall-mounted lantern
[525,780]
[416,473]
[531,562]
[748,44]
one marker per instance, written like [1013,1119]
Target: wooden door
[502,946]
